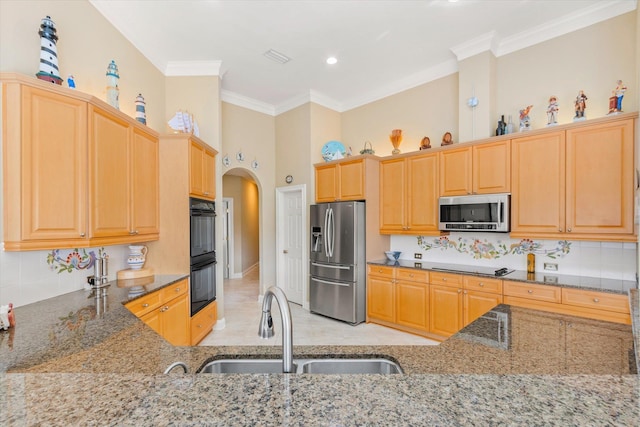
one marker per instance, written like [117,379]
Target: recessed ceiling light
[274,55]
[332,60]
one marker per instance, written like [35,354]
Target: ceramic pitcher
[137,256]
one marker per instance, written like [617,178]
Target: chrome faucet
[265,329]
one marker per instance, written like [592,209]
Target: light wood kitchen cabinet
[381,293]
[124,192]
[69,170]
[44,165]
[166,311]
[479,296]
[445,310]
[572,301]
[576,184]
[344,179]
[412,298]
[409,195]
[479,169]
[202,322]
[201,170]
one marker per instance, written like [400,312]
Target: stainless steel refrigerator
[337,280]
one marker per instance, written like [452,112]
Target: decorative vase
[137,256]
[396,139]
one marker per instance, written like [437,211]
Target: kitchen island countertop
[69,363]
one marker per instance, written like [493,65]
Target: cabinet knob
[569,229]
[199,326]
[465,292]
[81,234]
[530,291]
[410,274]
[459,290]
[177,289]
[481,284]
[206,193]
[163,309]
[596,300]
[560,229]
[145,305]
[444,279]
[133,232]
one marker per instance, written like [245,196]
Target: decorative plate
[333,150]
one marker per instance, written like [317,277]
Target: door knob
[285,251]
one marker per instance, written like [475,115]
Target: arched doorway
[241,232]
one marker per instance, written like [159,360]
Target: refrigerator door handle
[326,233]
[333,231]
[330,283]
[337,267]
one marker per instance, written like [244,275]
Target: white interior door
[291,243]
[227,237]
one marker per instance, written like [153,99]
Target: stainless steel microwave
[485,212]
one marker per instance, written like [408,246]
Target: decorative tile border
[75,260]
[485,249]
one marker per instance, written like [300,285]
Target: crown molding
[482,43]
[599,12]
[192,68]
[246,102]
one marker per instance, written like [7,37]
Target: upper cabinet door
[392,196]
[196,168]
[455,172]
[351,180]
[209,174]
[492,168]
[538,184]
[326,183]
[422,193]
[600,178]
[110,160]
[54,170]
[145,192]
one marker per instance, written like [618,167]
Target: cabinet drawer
[202,322]
[446,279]
[381,271]
[531,291]
[598,300]
[145,304]
[174,290]
[483,284]
[410,275]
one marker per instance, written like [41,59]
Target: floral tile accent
[75,260]
[485,249]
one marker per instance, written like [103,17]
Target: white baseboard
[220,324]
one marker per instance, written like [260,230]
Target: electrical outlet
[417,256]
[551,266]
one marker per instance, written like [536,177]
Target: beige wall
[254,134]
[429,110]
[591,59]
[293,131]
[87,43]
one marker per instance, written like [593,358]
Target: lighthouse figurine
[141,114]
[48,53]
[112,85]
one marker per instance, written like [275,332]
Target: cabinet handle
[163,309]
[465,292]
[481,284]
[82,234]
[177,289]
[199,326]
[133,232]
[459,290]
[410,274]
[530,291]
[569,229]
[560,229]
[206,193]
[596,300]
[145,305]
[444,279]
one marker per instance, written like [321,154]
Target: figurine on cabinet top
[425,143]
[581,105]
[447,139]
[616,96]
[525,120]
[552,111]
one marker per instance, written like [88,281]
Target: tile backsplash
[30,276]
[594,259]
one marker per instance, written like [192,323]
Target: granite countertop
[77,359]
[569,281]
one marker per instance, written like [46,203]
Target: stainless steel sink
[303,366]
[351,366]
[244,366]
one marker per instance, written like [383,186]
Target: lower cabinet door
[412,307]
[478,303]
[381,299]
[445,310]
[175,321]
[152,320]
[202,322]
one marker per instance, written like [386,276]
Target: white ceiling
[383,47]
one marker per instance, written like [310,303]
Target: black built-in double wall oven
[203,253]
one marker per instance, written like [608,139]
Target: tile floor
[242,315]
